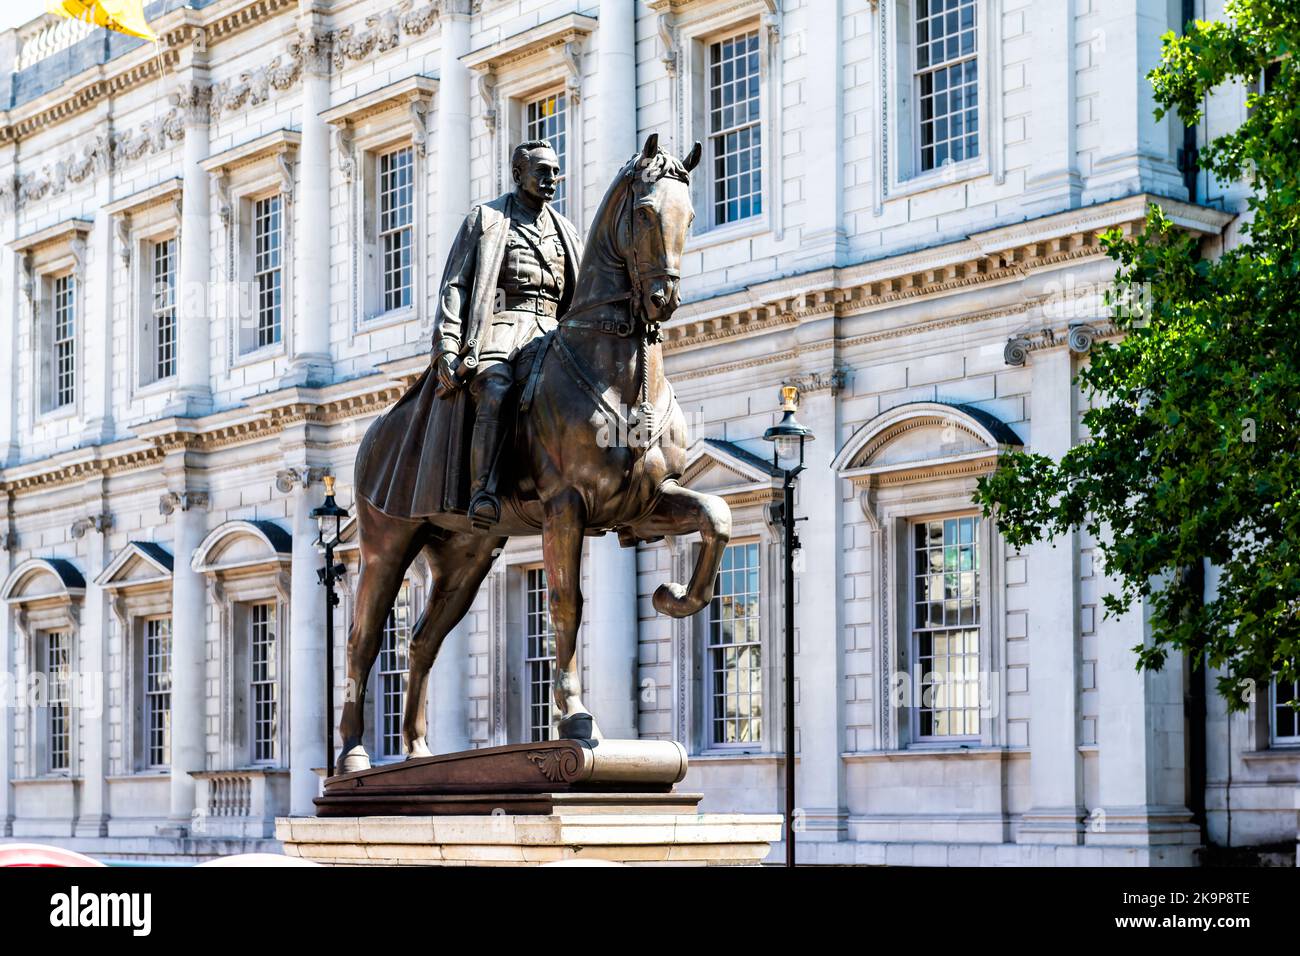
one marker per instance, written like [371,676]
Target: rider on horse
[532,265]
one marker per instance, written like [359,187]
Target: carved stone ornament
[100,523]
[174,501]
[286,479]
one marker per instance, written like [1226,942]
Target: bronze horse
[582,460]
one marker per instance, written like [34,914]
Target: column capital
[100,522]
[194,100]
[314,48]
[832,379]
[1077,337]
[286,479]
[174,501]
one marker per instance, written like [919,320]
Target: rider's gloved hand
[443,369]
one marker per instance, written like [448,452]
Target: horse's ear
[693,157]
[651,146]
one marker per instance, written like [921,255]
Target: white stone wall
[907,291]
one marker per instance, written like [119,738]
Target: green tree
[1192,445]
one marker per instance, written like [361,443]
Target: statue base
[525,805]
[520,778]
[596,832]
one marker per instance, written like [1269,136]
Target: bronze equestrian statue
[598,373]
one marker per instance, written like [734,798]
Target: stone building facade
[219,263]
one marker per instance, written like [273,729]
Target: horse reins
[649,330]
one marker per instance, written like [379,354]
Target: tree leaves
[1193,417]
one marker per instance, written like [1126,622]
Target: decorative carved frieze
[253,87]
[381,32]
[174,501]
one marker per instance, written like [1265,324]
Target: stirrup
[477,517]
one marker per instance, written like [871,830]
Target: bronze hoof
[576,727]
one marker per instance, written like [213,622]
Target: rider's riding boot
[484,506]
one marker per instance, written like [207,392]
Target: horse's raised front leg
[388,545]
[681,511]
[459,564]
[564,518]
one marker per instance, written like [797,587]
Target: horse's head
[654,234]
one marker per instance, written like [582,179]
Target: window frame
[711,135]
[242,175]
[695,36]
[154,328]
[914,634]
[528,133]
[529,574]
[708,713]
[383,233]
[275,683]
[406,600]
[144,760]
[1274,739]
[63,701]
[897,174]
[919,72]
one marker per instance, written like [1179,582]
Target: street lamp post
[788,437]
[329,518]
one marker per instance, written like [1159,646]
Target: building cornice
[991,256]
[61,232]
[169,190]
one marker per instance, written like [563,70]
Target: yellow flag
[124,16]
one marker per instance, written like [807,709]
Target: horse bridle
[639,280]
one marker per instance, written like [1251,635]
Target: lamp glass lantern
[329,516]
[788,436]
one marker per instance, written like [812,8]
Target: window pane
[394,666]
[946,83]
[734,132]
[396,218]
[945,630]
[734,652]
[263,682]
[546,119]
[539,656]
[267,279]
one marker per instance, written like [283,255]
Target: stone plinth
[581,832]
[518,779]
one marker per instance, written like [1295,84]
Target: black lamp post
[329,518]
[788,438]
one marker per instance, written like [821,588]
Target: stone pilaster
[449,693]
[306,644]
[1055,778]
[615,44]
[1053,179]
[1141,773]
[823,242]
[98,315]
[611,611]
[452,166]
[819,650]
[193,310]
[90,661]
[310,362]
[188,509]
